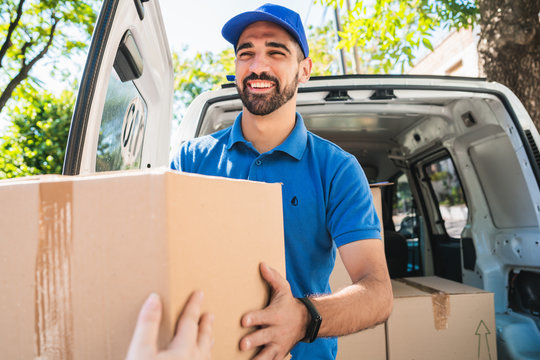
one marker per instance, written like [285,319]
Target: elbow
[386,301]
[389,305]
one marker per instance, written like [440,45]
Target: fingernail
[247,344]
[247,321]
[152,301]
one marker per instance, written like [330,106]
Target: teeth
[260,85]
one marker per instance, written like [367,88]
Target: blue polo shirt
[326,201]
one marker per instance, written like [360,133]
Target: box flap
[403,290]
[28,179]
[444,285]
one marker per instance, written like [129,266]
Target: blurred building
[456,55]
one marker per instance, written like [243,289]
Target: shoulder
[338,168]
[329,152]
[208,142]
[191,151]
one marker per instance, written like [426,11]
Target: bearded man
[326,196]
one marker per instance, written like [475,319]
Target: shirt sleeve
[175,160]
[351,214]
[179,158]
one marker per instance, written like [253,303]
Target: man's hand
[193,339]
[282,323]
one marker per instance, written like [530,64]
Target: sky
[198,23]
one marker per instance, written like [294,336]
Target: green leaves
[202,72]
[323,50]
[33,30]
[36,140]
[427,43]
[389,33]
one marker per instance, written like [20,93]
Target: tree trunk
[509,48]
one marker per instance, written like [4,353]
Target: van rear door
[123,111]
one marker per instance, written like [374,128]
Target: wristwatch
[314,324]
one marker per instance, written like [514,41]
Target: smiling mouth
[261,84]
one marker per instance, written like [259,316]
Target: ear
[304,70]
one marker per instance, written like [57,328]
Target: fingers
[188,322]
[257,318]
[279,286]
[270,353]
[204,338]
[279,322]
[257,338]
[144,341]
[272,277]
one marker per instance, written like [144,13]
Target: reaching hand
[193,339]
[282,323]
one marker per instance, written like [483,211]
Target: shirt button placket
[254,172]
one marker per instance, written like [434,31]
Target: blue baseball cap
[282,16]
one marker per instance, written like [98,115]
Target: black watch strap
[315,322]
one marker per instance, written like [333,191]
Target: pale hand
[193,339]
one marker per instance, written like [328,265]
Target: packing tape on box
[440,301]
[53,307]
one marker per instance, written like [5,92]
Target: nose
[259,64]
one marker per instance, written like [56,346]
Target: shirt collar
[294,144]
[236,133]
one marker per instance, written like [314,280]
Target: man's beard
[264,104]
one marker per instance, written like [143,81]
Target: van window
[402,203]
[407,223]
[448,192]
[122,129]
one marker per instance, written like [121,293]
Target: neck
[268,131]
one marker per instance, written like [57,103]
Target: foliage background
[37,35]
[376,36]
[36,140]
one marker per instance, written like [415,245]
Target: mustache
[261,76]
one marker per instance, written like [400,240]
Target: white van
[462,154]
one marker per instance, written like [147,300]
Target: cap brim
[234,27]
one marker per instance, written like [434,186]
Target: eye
[244,54]
[276,52]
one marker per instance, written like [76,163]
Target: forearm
[359,306]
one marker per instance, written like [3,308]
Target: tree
[36,140]
[323,50]
[31,30]
[204,71]
[509,48]
[390,32]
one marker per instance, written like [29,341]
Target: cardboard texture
[81,254]
[435,318]
[369,344]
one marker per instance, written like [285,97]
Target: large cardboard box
[79,255]
[435,318]
[368,344]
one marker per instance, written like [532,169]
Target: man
[326,197]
